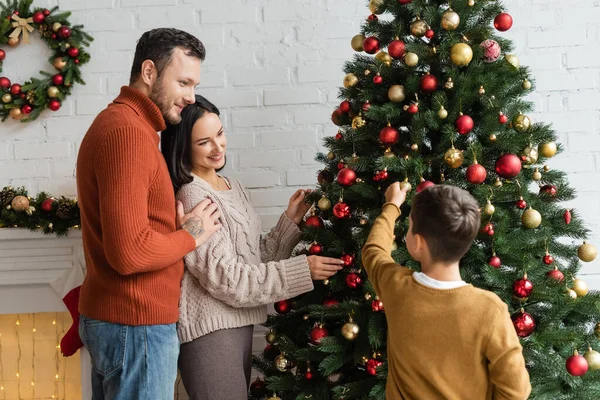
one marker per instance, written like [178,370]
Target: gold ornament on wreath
[67,44]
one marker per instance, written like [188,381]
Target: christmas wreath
[17,21]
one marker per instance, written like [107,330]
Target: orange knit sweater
[133,249]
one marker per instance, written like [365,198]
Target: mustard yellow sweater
[453,344]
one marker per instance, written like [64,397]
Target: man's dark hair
[157,46]
[448,218]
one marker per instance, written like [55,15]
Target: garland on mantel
[43,213]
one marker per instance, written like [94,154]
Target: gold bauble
[357,42]
[358,122]
[489,208]
[498,183]
[512,60]
[526,84]
[449,84]
[572,294]
[374,6]
[521,123]
[443,113]
[274,397]
[529,155]
[389,153]
[406,184]
[6,97]
[546,168]
[384,57]
[59,63]
[587,252]
[331,155]
[56,26]
[414,147]
[471,3]
[53,91]
[281,363]
[271,337]
[13,41]
[593,359]
[324,203]
[461,54]
[450,20]
[16,113]
[547,149]
[418,28]
[481,90]
[350,330]
[363,221]
[396,93]
[411,59]
[394,246]
[454,158]
[531,219]
[493,137]
[580,287]
[20,203]
[537,175]
[597,330]
[350,80]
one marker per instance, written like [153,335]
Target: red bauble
[366,106]
[353,280]
[494,261]
[47,205]
[346,177]
[464,124]
[522,288]
[503,22]
[397,49]
[413,108]
[330,301]
[23,96]
[345,106]
[73,52]
[577,365]
[556,275]
[314,221]
[372,18]
[315,249]
[283,306]
[58,79]
[429,33]
[521,204]
[308,375]
[348,259]
[524,323]
[317,333]
[336,117]
[64,32]
[371,45]
[488,229]
[378,79]
[342,210]
[54,105]
[54,36]
[2,55]
[325,176]
[15,89]
[339,136]
[380,176]
[476,173]
[502,118]
[508,166]
[377,305]
[424,185]
[76,61]
[372,364]
[389,136]
[26,109]
[46,12]
[4,82]
[38,17]
[341,165]
[567,216]
[429,83]
[549,190]
[404,1]
[548,259]
[258,388]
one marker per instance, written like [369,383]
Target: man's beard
[158,97]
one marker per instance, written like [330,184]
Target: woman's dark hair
[176,141]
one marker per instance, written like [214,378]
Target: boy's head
[444,220]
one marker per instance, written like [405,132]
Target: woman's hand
[297,207]
[323,267]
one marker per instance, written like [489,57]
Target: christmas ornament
[411,59]
[350,330]
[274,397]
[258,388]
[547,149]
[64,32]
[489,209]
[481,90]
[54,105]
[396,93]
[512,60]
[529,155]
[283,306]
[365,107]
[488,229]
[537,175]
[406,184]
[508,166]
[577,365]
[587,252]
[13,41]
[572,294]
[491,50]
[531,219]
[454,158]
[450,20]
[4,82]
[350,80]
[16,113]
[315,249]
[424,185]
[53,91]
[20,203]
[593,359]
[567,217]
[418,28]
[464,124]
[324,203]
[2,55]
[476,173]
[442,113]
[331,156]
[314,222]
[330,302]
[413,108]
[550,190]
[378,79]
[389,135]
[380,176]
[521,203]
[346,177]
[353,280]
[461,54]
[342,210]
[429,33]
[377,305]
[502,118]
[371,45]
[15,89]
[358,122]
[308,375]
[414,147]
[372,365]
[503,22]
[429,83]
[56,26]
[47,204]
[345,106]
[524,323]
[337,117]
[38,17]
[59,63]
[317,334]
[521,123]
[384,57]
[374,6]
[546,168]
[580,287]
[372,18]
[494,261]
[325,176]
[357,43]
[522,288]
[555,275]
[271,337]
[281,363]
[403,2]
[449,84]
[348,259]
[26,109]
[58,79]
[526,84]
[6,98]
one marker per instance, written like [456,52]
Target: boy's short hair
[448,218]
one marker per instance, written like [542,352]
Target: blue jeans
[131,362]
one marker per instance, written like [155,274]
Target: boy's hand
[395,195]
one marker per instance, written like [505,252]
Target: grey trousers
[217,366]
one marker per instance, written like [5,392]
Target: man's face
[174,88]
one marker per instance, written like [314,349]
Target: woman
[229,280]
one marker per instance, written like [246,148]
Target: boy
[446,338]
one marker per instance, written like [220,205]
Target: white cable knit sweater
[229,280]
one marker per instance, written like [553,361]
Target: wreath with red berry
[18,20]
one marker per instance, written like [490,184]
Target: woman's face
[208,143]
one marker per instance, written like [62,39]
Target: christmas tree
[434,96]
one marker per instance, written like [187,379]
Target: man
[129,221]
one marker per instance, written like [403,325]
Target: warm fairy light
[54,322]
[56,376]
[34,330]
[18,322]
[17,374]
[32,383]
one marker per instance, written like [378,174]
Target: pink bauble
[491,50]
